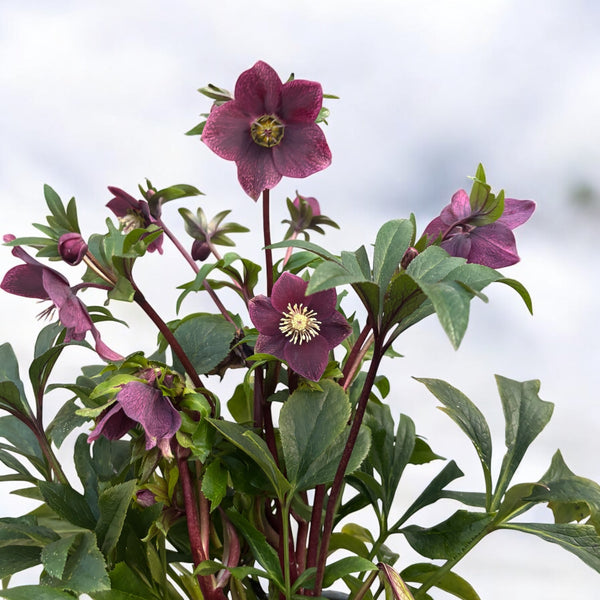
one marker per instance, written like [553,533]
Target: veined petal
[302,151]
[323,303]
[516,212]
[271,344]
[493,245]
[458,245]
[113,424]
[258,90]
[459,208]
[309,359]
[265,318]
[256,171]
[301,101]
[288,289]
[434,229]
[335,329]
[227,131]
[25,280]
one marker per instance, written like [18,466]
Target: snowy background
[100,93]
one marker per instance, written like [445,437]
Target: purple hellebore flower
[139,402]
[133,214]
[269,129]
[35,280]
[72,248]
[297,328]
[492,245]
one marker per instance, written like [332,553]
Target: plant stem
[267,239]
[338,480]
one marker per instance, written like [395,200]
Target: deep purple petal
[309,359]
[458,245]
[265,318]
[25,280]
[122,202]
[434,229]
[227,131]
[258,90]
[516,212]
[257,171]
[302,151]
[288,289]
[493,245]
[323,303]
[301,101]
[102,349]
[271,344]
[113,424]
[74,316]
[459,208]
[335,330]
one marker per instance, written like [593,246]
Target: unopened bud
[200,250]
[145,498]
[408,257]
[72,248]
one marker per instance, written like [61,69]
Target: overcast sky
[100,93]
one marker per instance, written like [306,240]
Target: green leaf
[581,540]
[345,566]
[309,246]
[12,393]
[85,569]
[205,339]
[450,539]
[214,483]
[520,289]
[393,583]
[24,442]
[264,554]
[309,422]
[391,243]
[525,415]
[256,448]
[468,417]
[17,558]
[433,492]
[450,582]
[54,556]
[67,503]
[64,422]
[39,592]
[113,503]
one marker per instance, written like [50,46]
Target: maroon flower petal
[459,208]
[323,303]
[24,280]
[335,330]
[310,359]
[227,131]
[113,424]
[288,289]
[434,229]
[272,344]
[301,101]
[493,245]
[122,202]
[257,171]
[265,318]
[258,90]
[516,212]
[302,151]
[458,245]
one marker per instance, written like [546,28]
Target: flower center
[299,324]
[132,220]
[267,131]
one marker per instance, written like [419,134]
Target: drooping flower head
[491,244]
[143,403]
[296,328]
[133,214]
[269,129]
[35,280]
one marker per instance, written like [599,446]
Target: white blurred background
[101,93]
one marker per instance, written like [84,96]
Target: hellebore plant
[186,486]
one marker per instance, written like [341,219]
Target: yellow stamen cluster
[299,324]
[267,131]
[132,220]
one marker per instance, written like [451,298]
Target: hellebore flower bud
[200,250]
[72,248]
[410,254]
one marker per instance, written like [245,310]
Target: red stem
[267,238]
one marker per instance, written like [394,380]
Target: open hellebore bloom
[35,280]
[269,129]
[133,214]
[296,328]
[493,244]
[139,402]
